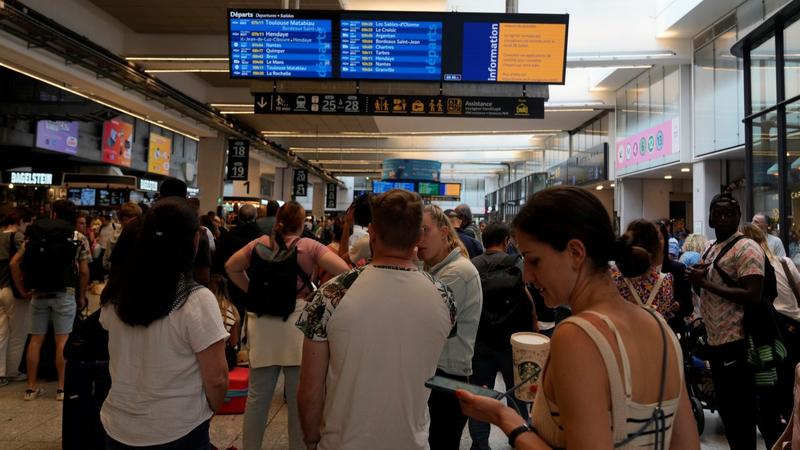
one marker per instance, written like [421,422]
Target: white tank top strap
[618,403]
[623,353]
[632,290]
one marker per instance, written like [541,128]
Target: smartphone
[450,386]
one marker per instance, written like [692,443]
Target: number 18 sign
[238,157]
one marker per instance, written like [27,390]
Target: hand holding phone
[450,386]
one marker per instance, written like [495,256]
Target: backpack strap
[656,289]
[791,280]
[727,279]
[300,272]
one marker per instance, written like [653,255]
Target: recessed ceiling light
[599,187]
[611,185]
[667,177]
[686,169]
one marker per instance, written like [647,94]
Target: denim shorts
[59,307]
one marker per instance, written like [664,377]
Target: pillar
[706,182]
[210,171]
[318,199]
[284,176]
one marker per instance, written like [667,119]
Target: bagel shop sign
[29,178]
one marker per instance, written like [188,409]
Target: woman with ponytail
[638,277]
[614,376]
[446,258]
[275,344]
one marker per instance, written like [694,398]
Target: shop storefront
[771,60]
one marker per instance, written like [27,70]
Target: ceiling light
[237,112]
[11,186]
[231,105]
[599,187]
[621,56]
[378,135]
[667,177]
[570,110]
[686,170]
[176,58]
[611,185]
[101,102]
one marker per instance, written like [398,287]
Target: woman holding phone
[614,377]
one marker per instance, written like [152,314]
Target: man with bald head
[243,233]
[763,221]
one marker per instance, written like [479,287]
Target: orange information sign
[531,51]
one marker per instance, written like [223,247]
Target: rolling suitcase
[236,395]
[86,385]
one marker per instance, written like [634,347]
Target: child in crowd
[230,317]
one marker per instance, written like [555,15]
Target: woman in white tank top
[614,378]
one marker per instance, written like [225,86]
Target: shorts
[60,307]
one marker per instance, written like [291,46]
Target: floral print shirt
[664,302]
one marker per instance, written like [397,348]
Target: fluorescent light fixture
[370,150]
[611,185]
[667,177]
[186,70]
[686,170]
[79,94]
[573,104]
[570,110]
[237,112]
[231,105]
[176,58]
[378,135]
[621,56]
[599,187]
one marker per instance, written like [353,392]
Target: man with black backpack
[507,309]
[737,288]
[52,269]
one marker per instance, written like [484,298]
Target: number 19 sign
[238,157]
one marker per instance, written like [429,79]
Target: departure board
[273,45]
[398,46]
[391,49]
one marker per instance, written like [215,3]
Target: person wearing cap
[674,249]
[723,309]
[474,247]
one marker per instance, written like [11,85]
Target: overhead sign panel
[398,46]
[238,158]
[399,105]
[391,49]
[279,45]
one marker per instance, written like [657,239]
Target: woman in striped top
[614,378]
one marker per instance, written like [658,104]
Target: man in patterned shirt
[373,336]
[723,312]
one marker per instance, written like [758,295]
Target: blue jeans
[197,439]
[485,364]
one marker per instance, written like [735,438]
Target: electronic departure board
[391,49]
[398,46]
[279,45]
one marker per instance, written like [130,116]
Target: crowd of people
[358,310]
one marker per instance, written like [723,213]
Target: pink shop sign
[654,143]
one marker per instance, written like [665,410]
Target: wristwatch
[514,434]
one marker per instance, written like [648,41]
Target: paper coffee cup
[530,352]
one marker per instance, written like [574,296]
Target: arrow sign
[261,103]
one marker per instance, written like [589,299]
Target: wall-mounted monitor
[428,188]
[398,46]
[82,196]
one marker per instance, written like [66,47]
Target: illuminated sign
[40,178]
[148,185]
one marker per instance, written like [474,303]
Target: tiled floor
[37,425]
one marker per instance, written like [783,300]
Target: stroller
[697,371]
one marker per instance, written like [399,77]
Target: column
[630,205]
[318,199]
[283,184]
[210,171]
[706,182]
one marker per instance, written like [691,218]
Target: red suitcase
[236,396]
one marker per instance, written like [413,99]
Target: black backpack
[273,280]
[506,307]
[49,260]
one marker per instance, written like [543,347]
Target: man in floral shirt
[373,337]
[723,312]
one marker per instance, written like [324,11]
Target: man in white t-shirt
[774,243]
[373,337]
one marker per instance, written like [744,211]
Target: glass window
[748,13]
[726,93]
[620,113]
[704,100]
[791,46]
[643,100]
[765,164]
[657,95]
[793,180]
[632,125]
[762,75]
[672,91]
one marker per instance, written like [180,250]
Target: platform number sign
[330,196]
[300,182]
[238,158]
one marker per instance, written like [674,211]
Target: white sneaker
[33,394]
[18,378]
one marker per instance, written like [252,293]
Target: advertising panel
[411,169]
[117,142]
[654,143]
[159,154]
[57,135]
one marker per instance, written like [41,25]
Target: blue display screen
[406,186]
[391,49]
[379,187]
[279,47]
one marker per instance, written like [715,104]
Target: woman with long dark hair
[276,345]
[614,376]
[166,339]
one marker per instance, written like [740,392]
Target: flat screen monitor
[428,188]
[103,197]
[280,44]
[74,195]
[379,187]
[409,186]
[394,49]
[450,189]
